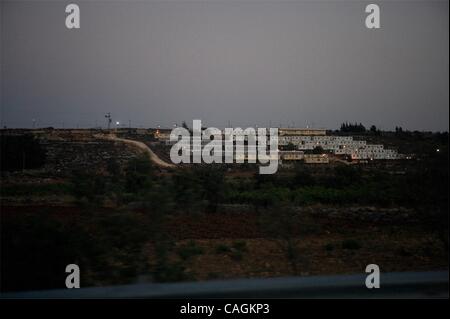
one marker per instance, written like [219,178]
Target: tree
[318,150]
[212,181]
[302,177]
[290,147]
[88,187]
[352,128]
[187,190]
[138,175]
[374,130]
[21,152]
[281,223]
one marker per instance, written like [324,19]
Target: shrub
[222,248]
[237,255]
[351,244]
[189,250]
[170,272]
[240,245]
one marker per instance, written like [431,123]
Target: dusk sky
[247,62]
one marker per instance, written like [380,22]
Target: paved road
[143,147]
[432,284]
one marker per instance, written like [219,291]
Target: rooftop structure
[301,131]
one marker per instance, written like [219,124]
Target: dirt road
[143,147]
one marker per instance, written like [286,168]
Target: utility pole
[108,116]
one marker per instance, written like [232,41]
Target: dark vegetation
[19,152]
[111,245]
[37,247]
[344,185]
[352,127]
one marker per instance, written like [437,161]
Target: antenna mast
[108,116]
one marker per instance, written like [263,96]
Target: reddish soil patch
[214,226]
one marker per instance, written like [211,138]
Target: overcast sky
[246,62]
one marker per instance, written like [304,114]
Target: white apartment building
[340,145]
[308,139]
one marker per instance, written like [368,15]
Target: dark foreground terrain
[123,220]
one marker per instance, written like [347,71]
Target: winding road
[143,147]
